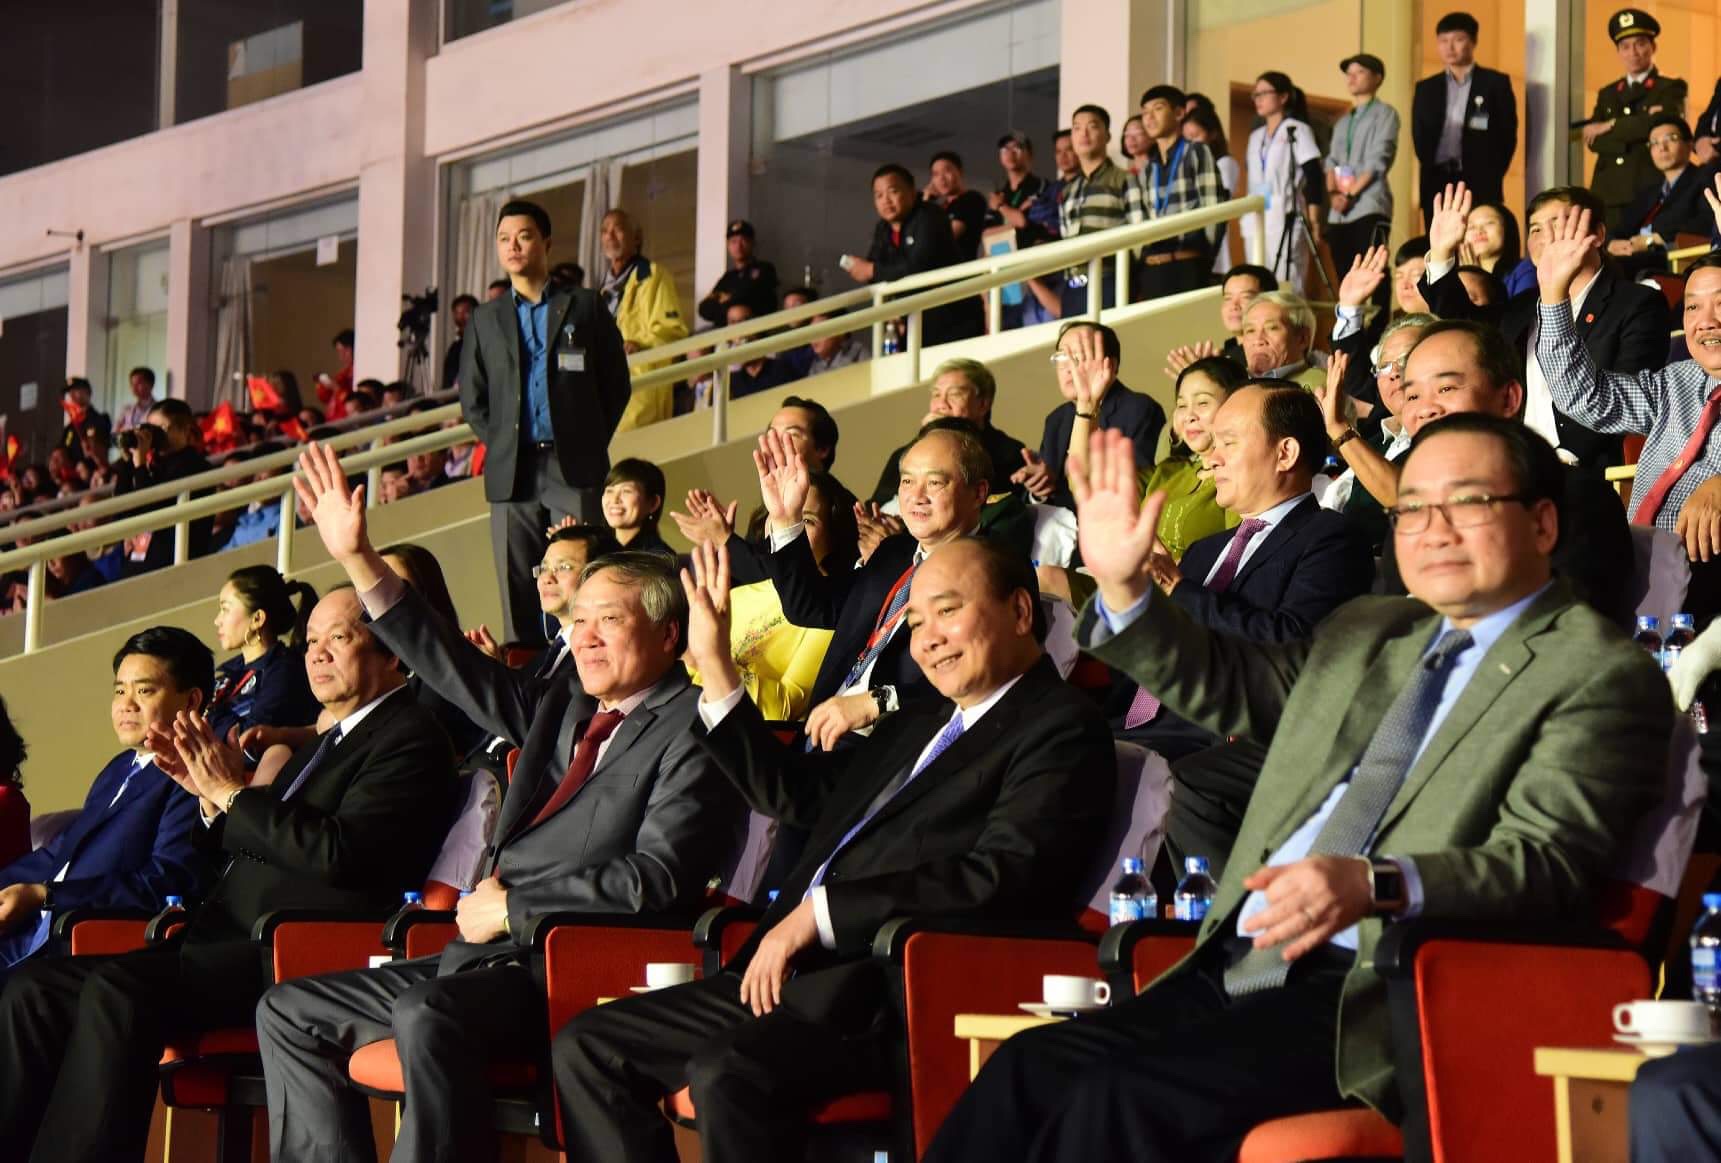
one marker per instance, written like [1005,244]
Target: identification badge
[1479,122]
[1267,197]
[571,361]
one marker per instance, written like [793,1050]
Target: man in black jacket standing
[1464,119]
[989,808]
[543,382]
[353,820]
[913,235]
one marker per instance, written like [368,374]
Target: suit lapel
[1278,537]
[556,316]
[1595,303]
[900,756]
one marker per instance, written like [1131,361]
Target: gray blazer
[650,828]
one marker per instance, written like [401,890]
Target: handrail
[1678,258]
[759,323]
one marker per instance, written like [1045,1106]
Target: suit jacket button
[1619,161]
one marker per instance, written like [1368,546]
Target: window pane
[235,52]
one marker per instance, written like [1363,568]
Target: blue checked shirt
[1664,404]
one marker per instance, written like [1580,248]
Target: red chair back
[1673,290]
[109,936]
[440,896]
[427,939]
[734,935]
[585,962]
[512,761]
[325,948]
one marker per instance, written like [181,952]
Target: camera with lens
[144,436]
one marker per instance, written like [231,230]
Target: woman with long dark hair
[1284,163]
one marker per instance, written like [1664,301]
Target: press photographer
[161,449]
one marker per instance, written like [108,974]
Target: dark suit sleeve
[608,356]
[1054,788]
[1506,138]
[1334,566]
[403,783]
[888,479]
[474,382]
[1359,382]
[497,697]
[1146,419]
[692,823]
[1447,298]
[746,563]
[1643,332]
[1595,553]
[1424,129]
[777,781]
[810,599]
[175,866]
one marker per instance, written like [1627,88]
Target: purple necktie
[1144,707]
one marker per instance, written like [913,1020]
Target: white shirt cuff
[822,918]
[712,714]
[1110,625]
[1435,271]
[780,538]
[1347,323]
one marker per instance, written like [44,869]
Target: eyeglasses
[561,567]
[1060,357]
[1666,140]
[1460,512]
[1259,93]
[1394,366]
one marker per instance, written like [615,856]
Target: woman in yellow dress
[1191,513]
[779,662]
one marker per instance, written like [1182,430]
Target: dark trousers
[752,1079]
[517,539]
[445,1028]
[1350,240]
[1210,793]
[1178,1073]
[1156,280]
[1675,1107]
[81,1037]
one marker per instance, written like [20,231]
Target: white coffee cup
[1061,991]
[660,974]
[1673,1020]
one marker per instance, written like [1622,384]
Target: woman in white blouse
[1284,160]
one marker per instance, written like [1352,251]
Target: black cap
[1367,60]
[1016,137]
[1458,22]
[1631,22]
[740,226]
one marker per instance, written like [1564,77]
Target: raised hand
[706,518]
[874,525]
[1185,354]
[339,513]
[1034,475]
[783,479]
[1367,272]
[1091,373]
[707,589]
[212,769]
[564,523]
[1332,395]
[485,641]
[1713,197]
[1446,225]
[1569,243]
[1115,530]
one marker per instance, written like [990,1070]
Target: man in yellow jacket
[641,295]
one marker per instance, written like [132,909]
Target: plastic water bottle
[1681,634]
[1194,891]
[890,345]
[1132,897]
[1705,952]
[1648,634]
[411,901]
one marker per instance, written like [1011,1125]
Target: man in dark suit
[131,846]
[543,382]
[1668,205]
[912,236]
[990,808]
[868,672]
[962,389]
[1087,358]
[613,808]
[353,820]
[1482,753]
[1464,119]
[1623,325]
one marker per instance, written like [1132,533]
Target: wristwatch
[884,698]
[1347,435]
[1386,885]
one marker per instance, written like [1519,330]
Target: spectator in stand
[14,808]
[1132,143]
[1285,168]
[395,484]
[1177,175]
[1464,119]
[1242,286]
[543,382]
[633,505]
[1706,132]
[798,297]
[1028,204]
[965,389]
[948,191]
[1087,359]
[164,449]
[1201,125]
[460,315]
[1192,510]
[334,390]
[260,519]
[1624,326]
[1064,158]
[1364,146]
[143,399]
[132,843]
[913,236]
[1278,335]
[95,444]
[567,275]
[496,289]
[256,613]
[1409,264]
[75,403]
[1671,204]
[1619,128]
[827,354]
[1095,198]
[760,374]
[642,298]
[1492,242]
[748,280]
[395,394]
[428,470]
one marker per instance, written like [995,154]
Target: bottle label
[1190,908]
[1704,975]
[1128,908]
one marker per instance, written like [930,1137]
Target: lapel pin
[1589,316]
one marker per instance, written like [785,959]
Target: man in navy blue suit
[131,845]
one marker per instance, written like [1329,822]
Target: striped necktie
[324,749]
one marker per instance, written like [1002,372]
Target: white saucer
[1659,1047]
[1041,1010]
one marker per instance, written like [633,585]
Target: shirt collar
[521,300]
[1487,630]
[1279,512]
[349,724]
[141,760]
[1638,78]
[920,551]
[971,715]
[630,704]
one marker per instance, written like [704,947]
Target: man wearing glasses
[1480,753]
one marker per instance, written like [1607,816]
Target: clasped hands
[195,758]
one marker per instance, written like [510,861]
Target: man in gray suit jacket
[544,382]
[613,808]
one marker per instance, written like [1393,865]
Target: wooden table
[984,1032]
[1591,1084]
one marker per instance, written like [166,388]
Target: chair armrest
[165,924]
[105,930]
[304,942]
[1400,942]
[708,931]
[1120,943]
[65,922]
[394,933]
[892,937]
[540,926]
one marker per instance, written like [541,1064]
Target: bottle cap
[1647,622]
[1194,864]
[413,898]
[1684,620]
[1132,864]
[174,902]
[1712,900]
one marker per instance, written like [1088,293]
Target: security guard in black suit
[1618,130]
[749,280]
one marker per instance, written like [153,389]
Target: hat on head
[1458,22]
[740,226]
[1016,137]
[1631,22]
[1367,60]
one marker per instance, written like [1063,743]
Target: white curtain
[233,335]
[475,246]
[603,192]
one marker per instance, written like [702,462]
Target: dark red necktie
[1650,507]
[585,758]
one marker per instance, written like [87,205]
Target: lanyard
[1267,141]
[1162,188]
[1350,125]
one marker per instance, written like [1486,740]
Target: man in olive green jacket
[1481,760]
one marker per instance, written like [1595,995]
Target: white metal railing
[983,276]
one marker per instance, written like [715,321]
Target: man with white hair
[1278,333]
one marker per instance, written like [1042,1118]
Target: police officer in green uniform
[1618,130]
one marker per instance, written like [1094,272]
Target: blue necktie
[322,753]
[952,731]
